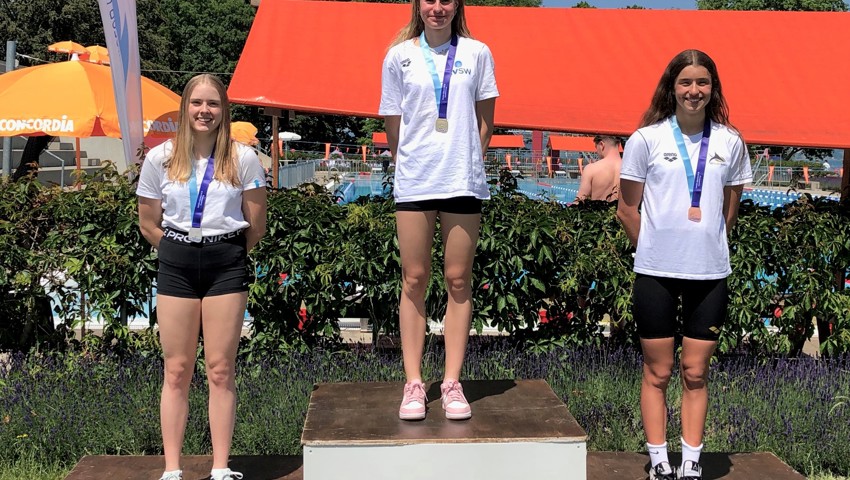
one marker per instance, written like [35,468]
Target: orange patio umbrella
[96,54]
[76,99]
[244,132]
[67,46]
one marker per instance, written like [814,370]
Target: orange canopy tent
[507,141]
[575,70]
[379,140]
[566,143]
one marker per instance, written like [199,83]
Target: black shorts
[656,304]
[216,266]
[458,205]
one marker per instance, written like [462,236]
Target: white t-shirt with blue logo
[670,245]
[223,207]
[432,165]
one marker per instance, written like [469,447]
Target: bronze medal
[694,214]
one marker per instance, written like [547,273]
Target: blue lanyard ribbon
[694,181]
[441,90]
[198,196]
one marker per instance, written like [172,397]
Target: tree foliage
[778,5]
[487,3]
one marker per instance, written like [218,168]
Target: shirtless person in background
[601,180]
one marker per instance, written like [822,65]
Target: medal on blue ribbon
[694,180]
[441,89]
[198,198]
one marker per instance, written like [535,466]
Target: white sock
[657,453]
[178,473]
[690,453]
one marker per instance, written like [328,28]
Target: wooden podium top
[502,411]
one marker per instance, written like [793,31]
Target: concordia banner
[122,41]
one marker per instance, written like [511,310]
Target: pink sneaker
[413,402]
[454,403]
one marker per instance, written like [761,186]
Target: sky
[655,4]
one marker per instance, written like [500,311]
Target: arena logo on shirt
[671,157]
[405,63]
[459,70]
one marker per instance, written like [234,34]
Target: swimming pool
[563,191]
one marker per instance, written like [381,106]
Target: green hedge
[340,261]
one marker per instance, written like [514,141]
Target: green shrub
[342,260]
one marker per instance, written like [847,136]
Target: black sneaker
[662,471]
[690,471]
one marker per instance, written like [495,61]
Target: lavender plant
[57,408]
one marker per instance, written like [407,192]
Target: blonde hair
[416,25]
[179,165]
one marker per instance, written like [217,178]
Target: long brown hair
[663,102]
[415,27]
[179,165]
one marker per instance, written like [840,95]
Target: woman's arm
[485,110]
[731,203]
[150,220]
[254,209]
[392,124]
[631,194]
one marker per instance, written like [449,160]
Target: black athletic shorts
[458,205]
[656,303]
[216,266]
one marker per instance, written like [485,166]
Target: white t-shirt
[429,164]
[670,245]
[223,207]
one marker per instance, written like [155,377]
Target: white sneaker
[690,470]
[176,475]
[227,475]
[662,471]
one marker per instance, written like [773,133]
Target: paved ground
[600,465]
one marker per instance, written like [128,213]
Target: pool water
[560,190]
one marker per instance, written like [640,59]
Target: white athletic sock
[657,453]
[690,453]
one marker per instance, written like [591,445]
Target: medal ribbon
[441,90]
[198,196]
[694,181]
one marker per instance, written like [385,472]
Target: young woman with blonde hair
[202,205]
